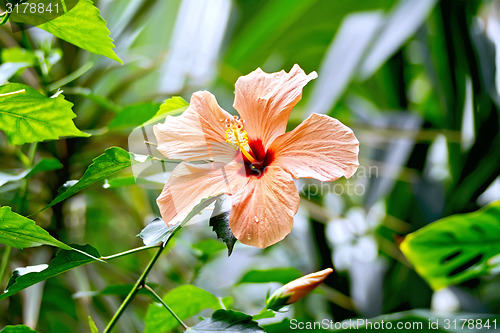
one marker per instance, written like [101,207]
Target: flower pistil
[237,137]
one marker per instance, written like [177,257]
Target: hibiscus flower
[253,159]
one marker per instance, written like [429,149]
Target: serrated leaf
[20,232]
[170,107]
[228,321]
[29,116]
[84,27]
[281,275]
[113,160]
[219,221]
[158,319]
[63,261]
[456,248]
[17,329]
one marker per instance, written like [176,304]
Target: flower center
[237,136]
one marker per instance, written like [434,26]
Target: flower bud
[296,289]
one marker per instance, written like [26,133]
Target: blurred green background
[416,80]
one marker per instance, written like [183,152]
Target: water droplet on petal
[256,219]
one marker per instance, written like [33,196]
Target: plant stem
[159,299]
[5,261]
[121,254]
[140,281]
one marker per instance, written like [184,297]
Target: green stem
[5,261]
[140,281]
[138,284]
[121,254]
[159,299]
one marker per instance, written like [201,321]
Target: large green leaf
[19,231]
[64,261]
[186,301]
[227,321]
[281,275]
[29,116]
[113,160]
[456,248]
[84,27]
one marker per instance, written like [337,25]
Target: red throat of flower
[255,156]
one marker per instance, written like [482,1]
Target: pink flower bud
[296,289]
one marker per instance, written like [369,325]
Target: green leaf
[17,329]
[29,116]
[113,160]
[219,221]
[46,164]
[456,248]
[206,248]
[227,321]
[186,301]
[20,232]
[84,27]
[17,54]
[119,182]
[175,103]
[134,115]
[171,107]
[92,325]
[281,275]
[64,261]
[266,313]
[43,165]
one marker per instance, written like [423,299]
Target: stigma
[237,137]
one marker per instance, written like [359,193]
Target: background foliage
[416,80]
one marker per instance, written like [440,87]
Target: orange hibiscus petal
[321,147]
[262,212]
[189,184]
[265,101]
[197,134]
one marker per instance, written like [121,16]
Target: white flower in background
[352,237]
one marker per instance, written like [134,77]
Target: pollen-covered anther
[237,136]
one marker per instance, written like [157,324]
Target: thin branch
[159,299]
[138,284]
[133,292]
[121,254]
